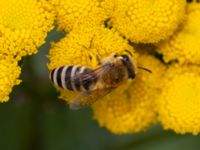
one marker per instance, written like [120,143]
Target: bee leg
[98,59]
[75,104]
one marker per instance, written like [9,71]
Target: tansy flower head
[147,21]
[178,105]
[183,45]
[130,108]
[82,46]
[71,12]
[9,75]
[23,26]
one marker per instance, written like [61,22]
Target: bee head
[128,64]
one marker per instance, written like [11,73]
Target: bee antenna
[139,67]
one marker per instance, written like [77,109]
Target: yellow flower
[178,105]
[147,21]
[82,45]
[184,45]
[131,109]
[23,26]
[71,12]
[9,75]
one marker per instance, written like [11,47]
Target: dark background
[35,119]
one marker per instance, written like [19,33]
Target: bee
[93,84]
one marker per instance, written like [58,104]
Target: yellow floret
[23,26]
[184,45]
[178,105]
[147,21]
[9,75]
[108,6]
[130,109]
[71,12]
[82,46]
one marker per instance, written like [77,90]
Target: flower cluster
[163,37]
[178,104]
[23,28]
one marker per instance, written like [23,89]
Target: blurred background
[35,119]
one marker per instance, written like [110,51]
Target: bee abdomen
[61,77]
[88,79]
[74,78]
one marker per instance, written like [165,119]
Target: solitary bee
[93,84]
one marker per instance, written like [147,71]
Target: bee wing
[103,69]
[85,99]
[92,75]
[98,72]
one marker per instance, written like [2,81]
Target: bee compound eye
[125,57]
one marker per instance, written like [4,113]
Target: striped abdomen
[74,78]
